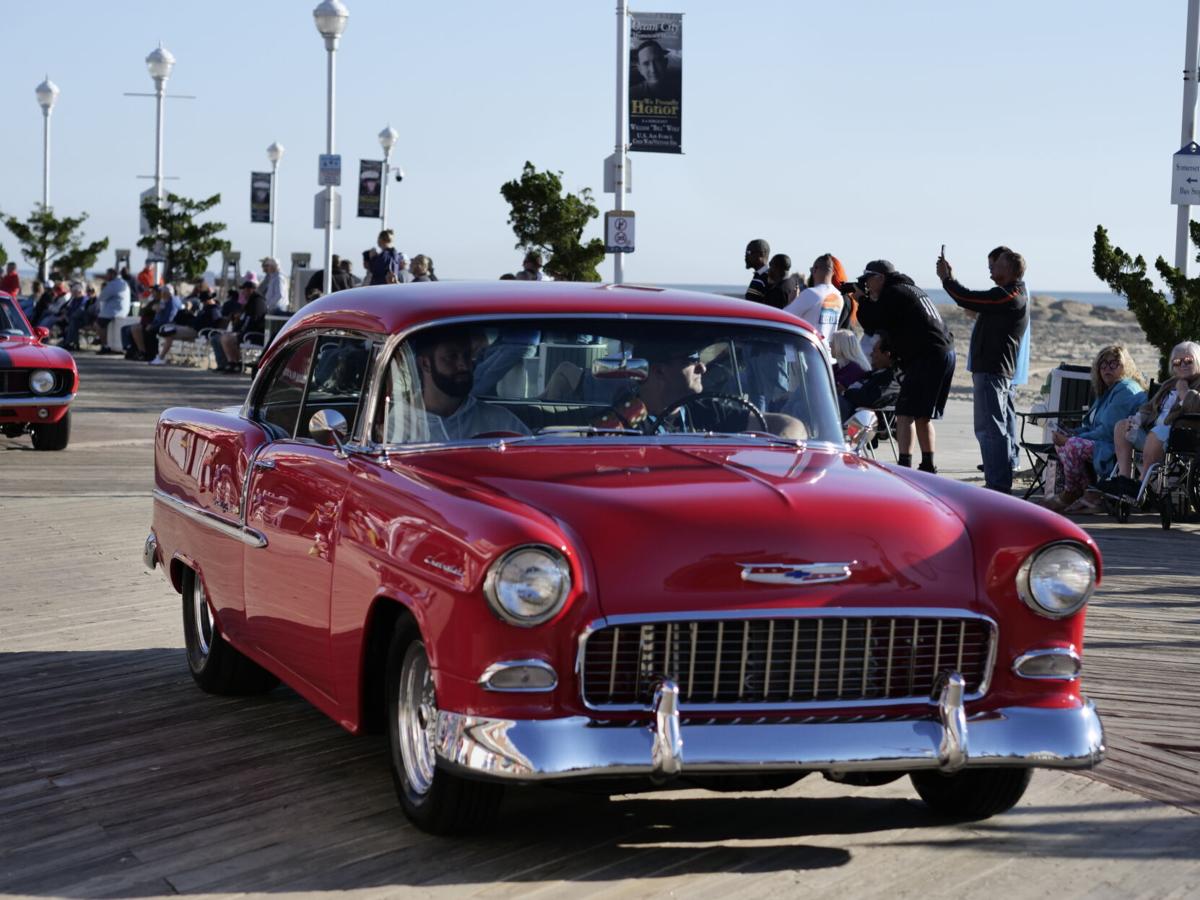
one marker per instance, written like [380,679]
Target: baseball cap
[877,267]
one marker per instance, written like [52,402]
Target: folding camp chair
[1070,398]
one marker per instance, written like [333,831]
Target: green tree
[3,255]
[185,244]
[1165,321]
[43,236]
[545,219]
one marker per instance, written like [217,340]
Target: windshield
[598,376]
[11,320]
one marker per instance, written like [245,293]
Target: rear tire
[972,794]
[434,800]
[53,436]
[215,666]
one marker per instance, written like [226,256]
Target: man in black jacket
[1002,314]
[758,252]
[875,390]
[924,351]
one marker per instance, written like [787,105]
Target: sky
[865,128]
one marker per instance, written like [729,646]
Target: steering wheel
[711,411]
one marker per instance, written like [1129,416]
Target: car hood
[669,527]
[24,353]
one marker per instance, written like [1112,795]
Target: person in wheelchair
[1148,429]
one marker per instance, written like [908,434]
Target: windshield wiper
[582,429]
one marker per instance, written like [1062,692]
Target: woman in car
[1119,388]
[1148,428]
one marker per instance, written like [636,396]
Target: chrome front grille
[14,382]
[785,661]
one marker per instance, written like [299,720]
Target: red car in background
[557,532]
[37,381]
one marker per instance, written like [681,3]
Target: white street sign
[618,232]
[329,169]
[1185,176]
[610,174]
[321,209]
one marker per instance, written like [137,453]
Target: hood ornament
[796,573]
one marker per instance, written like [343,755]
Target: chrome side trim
[830,612]
[486,677]
[1051,651]
[60,400]
[249,536]
[531,750]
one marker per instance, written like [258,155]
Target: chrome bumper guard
[150,552]
[13,402]
[575,747]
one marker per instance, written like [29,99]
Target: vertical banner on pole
[260,196]
[656,82]
[370,175]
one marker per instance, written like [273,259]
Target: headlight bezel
[491,585]
[1025,573]
[46,372]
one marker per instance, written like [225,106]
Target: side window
[279,403]
[338,379]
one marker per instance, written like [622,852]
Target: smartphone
[943,251]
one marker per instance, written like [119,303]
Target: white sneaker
[158,361]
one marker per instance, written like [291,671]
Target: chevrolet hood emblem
[796,573]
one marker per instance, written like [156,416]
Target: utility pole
[1183,213]
[623,126]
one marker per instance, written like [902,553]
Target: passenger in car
[450,413]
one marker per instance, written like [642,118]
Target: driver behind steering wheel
[675,376]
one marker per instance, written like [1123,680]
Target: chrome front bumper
[575,747]
[13,402]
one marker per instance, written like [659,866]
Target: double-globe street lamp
[387,140]
[274,154]
[330,17]
[47,95]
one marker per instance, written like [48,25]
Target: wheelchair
[1173,485]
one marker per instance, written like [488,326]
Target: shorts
[1162,432]
[925,386]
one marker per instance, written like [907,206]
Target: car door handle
[264,464]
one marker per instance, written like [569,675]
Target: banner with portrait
[260,196]
[370,181]
[656,82]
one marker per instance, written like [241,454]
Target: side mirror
[612,367]
[328,427]
[860,429]
[41,333]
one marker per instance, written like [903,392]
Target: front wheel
[215,666]
[53,436]
[434,800]
[973,794]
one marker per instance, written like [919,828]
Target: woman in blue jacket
[1119,389]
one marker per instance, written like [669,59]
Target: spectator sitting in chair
[248,324]
[850,364]
[144,335]
[1119,388]
[877,389]
[1148,428]
[202,312]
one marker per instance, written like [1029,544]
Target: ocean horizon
[940,297]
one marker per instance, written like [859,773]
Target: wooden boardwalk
[119,778]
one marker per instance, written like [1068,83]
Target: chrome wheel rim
[202,621]
[417,715]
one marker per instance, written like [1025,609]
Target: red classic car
[553,532]
[37,381]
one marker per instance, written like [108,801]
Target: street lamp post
[47,94]
[330,17]
[387,140]
[274,154]
[160,61]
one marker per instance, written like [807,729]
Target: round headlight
[1057,580]
[41,381]
[528,585]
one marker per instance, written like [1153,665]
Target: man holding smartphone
[1003,314]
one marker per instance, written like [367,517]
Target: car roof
[392,308]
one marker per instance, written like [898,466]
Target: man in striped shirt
[758,252]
